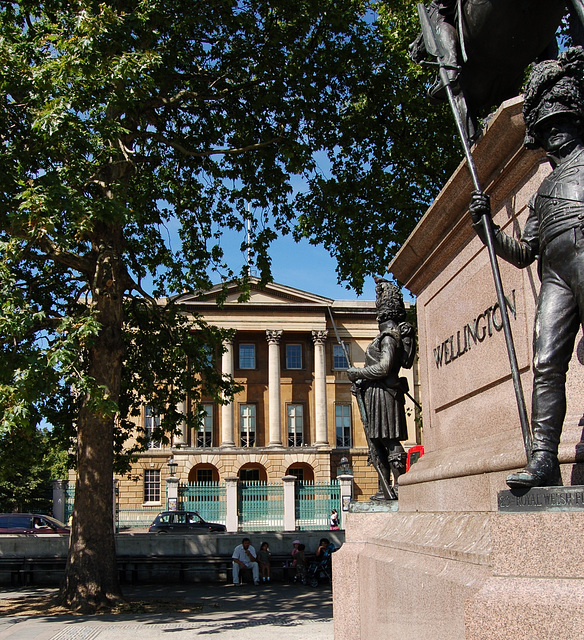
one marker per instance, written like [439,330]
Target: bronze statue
[443,14]
[380,387]
[488,44]
[554,234]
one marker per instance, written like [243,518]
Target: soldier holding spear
[380,391]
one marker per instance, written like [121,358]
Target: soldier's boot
[397,461]
[448,36]
[548,410]
[385,471]
[543,470]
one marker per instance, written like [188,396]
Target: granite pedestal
[449,565]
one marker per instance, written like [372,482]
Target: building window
[298,472]
[151,422]
[295,425]
[249,475]
[247,420]
[339,357]
[204,475]
[293,356]
[247,356]
[204,472]
[152,485]
[343,425]
[205,431]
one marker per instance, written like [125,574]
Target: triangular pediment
[272,294]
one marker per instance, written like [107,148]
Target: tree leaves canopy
[133,133]
[125,124]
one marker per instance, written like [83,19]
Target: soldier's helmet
[554,87]
[389,301]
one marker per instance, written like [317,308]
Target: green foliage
[126,123]
[393,153]
[29,460]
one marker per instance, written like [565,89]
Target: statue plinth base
[448,565]
[466,576]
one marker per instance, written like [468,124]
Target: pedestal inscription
[542,499]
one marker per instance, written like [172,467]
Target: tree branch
[55,253]
[183,95]
[205,154]
[136,286]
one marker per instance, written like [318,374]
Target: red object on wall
[414,454]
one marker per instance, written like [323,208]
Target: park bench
[25,571]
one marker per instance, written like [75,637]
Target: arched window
[302,470]
[252,471]
[203,472]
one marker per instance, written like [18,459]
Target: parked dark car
[32,524]
[183,522]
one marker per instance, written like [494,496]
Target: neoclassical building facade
[295,414]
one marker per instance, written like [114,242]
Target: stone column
[59,497]
[180,437]
[172,493]
[274,409]
[227,416]
[115,512]
[319,338]
[346,486]
[231,519]
[289,503]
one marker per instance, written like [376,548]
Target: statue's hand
[353,374]
[480,205]
[406,330]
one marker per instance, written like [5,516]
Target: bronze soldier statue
[443,14]
[554,234]
[381,388]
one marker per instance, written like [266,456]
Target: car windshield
[186,518]
[53,522]
[27,521]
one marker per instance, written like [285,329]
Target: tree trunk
[91,577]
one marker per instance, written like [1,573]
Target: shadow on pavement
[278,604]
[287,603]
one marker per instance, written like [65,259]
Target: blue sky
[299,265]
[302,266]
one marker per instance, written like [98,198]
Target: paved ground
[267,612]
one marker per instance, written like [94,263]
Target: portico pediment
[272,294]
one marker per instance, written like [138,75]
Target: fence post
[289,503]
[172,493]
[231,519]
[346,484]
[59,487]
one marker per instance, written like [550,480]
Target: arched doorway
[203,472]
[302,470]
[252,472]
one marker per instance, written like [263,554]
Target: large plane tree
[132,132]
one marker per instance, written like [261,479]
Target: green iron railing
[261,506]
[140,518]
[208,499]
[69,501]
[314,503]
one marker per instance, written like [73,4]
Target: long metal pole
[434,49]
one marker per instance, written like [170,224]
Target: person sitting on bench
[245,557]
